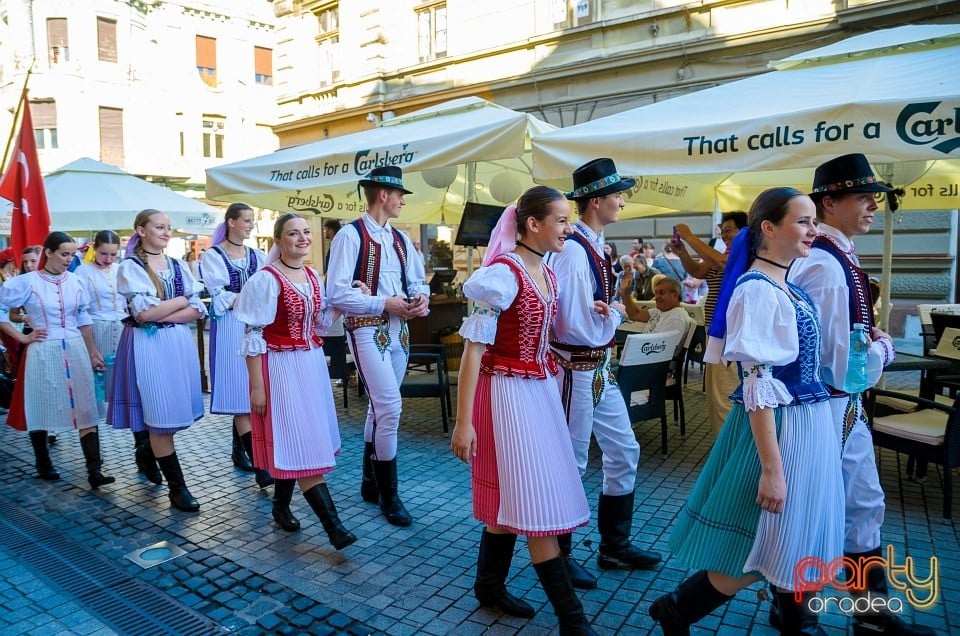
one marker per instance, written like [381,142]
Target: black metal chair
[423,382]
[674,390]
[695,352]
[340,367]
[930,434]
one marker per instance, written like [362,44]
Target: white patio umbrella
[891,94]
[464,150]
[87,195]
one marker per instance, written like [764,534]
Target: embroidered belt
[355,322]
[149,326]
[581,358]
[580,349]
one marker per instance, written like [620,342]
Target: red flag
[23,186]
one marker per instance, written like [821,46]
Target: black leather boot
[45,469]
[90,443]
[390,504]
[368,483]
[146,462]
[493,566]
[238,454]
[282,495]
[881,622]
[580,578]
[180,497]
[319,499]
[693,599]
[261,476]
[556,583]
[614,520]
[795,618]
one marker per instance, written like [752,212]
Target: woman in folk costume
[295,429]
[771,491]
[55,390]
[156,387]
[226,267]
[107,306]
[511,426]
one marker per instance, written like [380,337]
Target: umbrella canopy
[890,94]
[87,195]
[464,150]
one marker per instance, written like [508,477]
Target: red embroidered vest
[520,347]
[292,329]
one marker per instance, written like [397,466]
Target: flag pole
[16,117]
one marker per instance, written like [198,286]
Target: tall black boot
[146,462]
[614,520]
[180,497]
[319,499]
[261,476]
[553,577]
[580,578]
[282,495]
[693,599]
[45,469]
[796,619]
[90,443]
[238,454]
[880,622]
[493,566]
[368,482]
[390,504]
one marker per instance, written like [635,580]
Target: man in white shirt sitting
[668,315]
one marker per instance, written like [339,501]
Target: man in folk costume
[582,340]
[371,250]
[844,191]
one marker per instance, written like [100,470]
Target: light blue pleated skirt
[721,528]
[229,381]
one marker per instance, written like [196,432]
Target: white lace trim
[481,326]
[764,392]
[253,343]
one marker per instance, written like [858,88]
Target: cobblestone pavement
[242,574]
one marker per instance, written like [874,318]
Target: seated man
[668,314]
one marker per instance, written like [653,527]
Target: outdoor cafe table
[910,362]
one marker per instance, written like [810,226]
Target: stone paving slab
[252,577]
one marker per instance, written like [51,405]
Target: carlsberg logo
[653,347]
[918,125]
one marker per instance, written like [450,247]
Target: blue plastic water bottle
[856,378]
[99,383]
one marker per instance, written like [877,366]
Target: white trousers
[608,422]
[381,361]
[861,482]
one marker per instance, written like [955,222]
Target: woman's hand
[258,401]
[772,491]
[96,359]
[463,441]
[362,286]
[601,308]
[34,336]
[626,284]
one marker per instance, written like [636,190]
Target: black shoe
[390,504]
[51,439]
[282,495]
[693,599]
[368,482]
[580,578]
[146,462]
[41,454]
[239,455]
[180,497]
[493,566]
[319,499]
[90,443]
[881,622]
[553,577]
[614,520]
[260,475]
[796,619]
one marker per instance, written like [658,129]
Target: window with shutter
[107,39]
[44,114]
[207,59]
[263,65]
[111,136]
[213,136]
[58,46]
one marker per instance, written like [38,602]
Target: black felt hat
[845,174]
[597,178]
[385,176]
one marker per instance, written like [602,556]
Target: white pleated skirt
[299,436]
[230,385]
[525,476]
[58,389]
[168,377]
